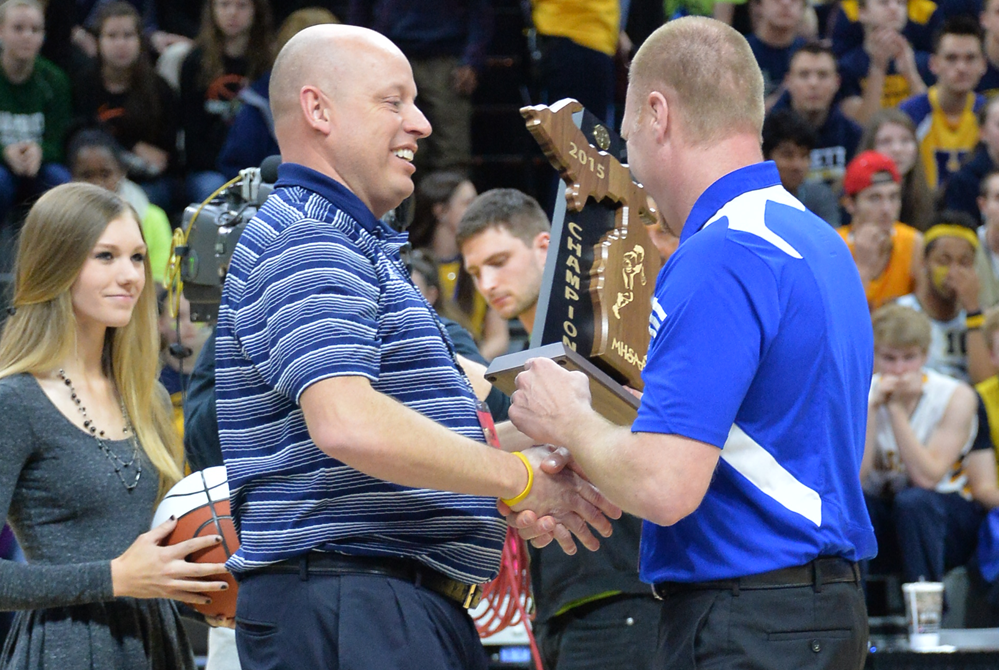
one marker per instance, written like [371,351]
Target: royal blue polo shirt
[316,289]
[761,346]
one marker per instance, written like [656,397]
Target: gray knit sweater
[72,515]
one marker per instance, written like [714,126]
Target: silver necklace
[120,466]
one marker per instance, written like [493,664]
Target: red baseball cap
[869,168]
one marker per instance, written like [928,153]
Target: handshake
[560,502]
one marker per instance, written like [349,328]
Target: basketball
[200,502]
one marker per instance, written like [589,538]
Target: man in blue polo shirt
[344,417]
[744,457]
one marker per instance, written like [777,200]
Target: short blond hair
[901,327]
[11,4]
[990,325]
[712,70]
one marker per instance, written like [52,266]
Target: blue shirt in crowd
[774,62]
[430,28]
[761,345]
[925,19]
[853,69]
[964,186]
[988,85]
[251,136]
[836,142]
[316,289]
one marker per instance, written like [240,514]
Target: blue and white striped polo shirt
[316,289]
[761,345]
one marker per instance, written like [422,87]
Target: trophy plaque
[601,268]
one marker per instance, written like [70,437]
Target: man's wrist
[525,490]
[578,426]
[973,319]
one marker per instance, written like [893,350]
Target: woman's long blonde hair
[59,234]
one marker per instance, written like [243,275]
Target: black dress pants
[351,622]
[764,629]
[616,633]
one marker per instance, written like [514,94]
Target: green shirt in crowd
[37,109]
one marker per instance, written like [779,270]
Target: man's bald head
[329,57]
[344,105]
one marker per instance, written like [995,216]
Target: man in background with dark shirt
[812,82]
[592,610]
[445,42]
[774,41]
[788,141]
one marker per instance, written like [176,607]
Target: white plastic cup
[923,610]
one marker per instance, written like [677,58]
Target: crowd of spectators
[163,84]
[882,119]
[883,122]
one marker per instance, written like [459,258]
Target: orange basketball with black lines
[200,502]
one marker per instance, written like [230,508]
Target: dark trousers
[764,629]
[570,70]
[617,633]
[923,533]
[351,622]
[449,147]
[12,186]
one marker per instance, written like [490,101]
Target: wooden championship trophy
[601,269]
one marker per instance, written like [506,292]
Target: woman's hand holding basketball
[149,570]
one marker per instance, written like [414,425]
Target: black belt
[408,570]
[815,573]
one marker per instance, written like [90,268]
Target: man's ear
[541,241]
[315,107]
[438,210]
[848,204]
[658,108]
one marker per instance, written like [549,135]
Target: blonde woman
[88,448]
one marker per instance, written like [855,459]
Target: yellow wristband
[973,322]
[530,482]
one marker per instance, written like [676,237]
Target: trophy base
[610,399]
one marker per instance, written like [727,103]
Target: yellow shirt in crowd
[594,24]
